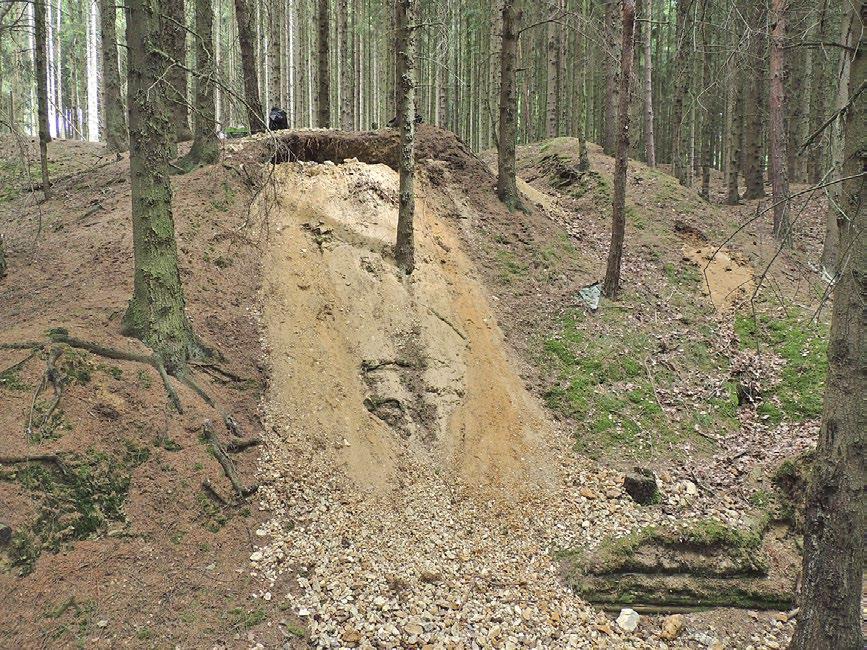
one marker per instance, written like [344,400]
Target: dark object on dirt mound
[2,258]
[393,122]
[5,535]
[640,484]
[562,173]
[277,119]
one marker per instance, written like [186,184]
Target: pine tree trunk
[680,123]
[818,99]
[779,171]
[754,84]
[345,66]
[406,12]
[833,569]
[205,149]
[611,285]
[39,19]
[507,188]
[609,122]
[324,70]
[649,143]
[734,127]
[156,311]
[175,35]
[274,53]
[708,86]
[115,118]
[255,114]
[92,68]
[551,121]
[830,250]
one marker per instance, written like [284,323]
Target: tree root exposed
[234,447]
[226,463]
[58,382]
[34,458]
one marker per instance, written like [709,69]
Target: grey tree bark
[777,100]
[851,25]
[649,140]
[833,569]
[205,149]
[42,92]
[115,120]
[174,37]
[406,12]
[155,313]
[611,284]
[324,69]
[507,185]
[244,19]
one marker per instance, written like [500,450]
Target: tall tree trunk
[205,149]
[649,144]
[818,99]
[734,126]
[345,66]
[507,187]
[754,91]
[93,78]
[680,123]
[708,86]
[156,311]
[274,53]
[612,84]
[611,285]
[406,12]
[779,171]
[324,76]
[175,34]
[42,92]
[255,114]
[551,114]
[851,27]
[115,119]
[833,570]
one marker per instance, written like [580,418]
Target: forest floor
[429,442]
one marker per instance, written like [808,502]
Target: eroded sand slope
[404,365]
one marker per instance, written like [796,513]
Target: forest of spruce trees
[737,99]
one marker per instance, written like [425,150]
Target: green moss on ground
[803,346]
[74,502]
[603,382]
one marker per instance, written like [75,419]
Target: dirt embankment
[123,545]
[403,364]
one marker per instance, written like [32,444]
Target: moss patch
[73,503]
[603,382]
[804,347]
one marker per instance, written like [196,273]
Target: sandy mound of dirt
[403,365]
[727,281]
[414,485]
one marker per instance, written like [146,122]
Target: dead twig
[653,385]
